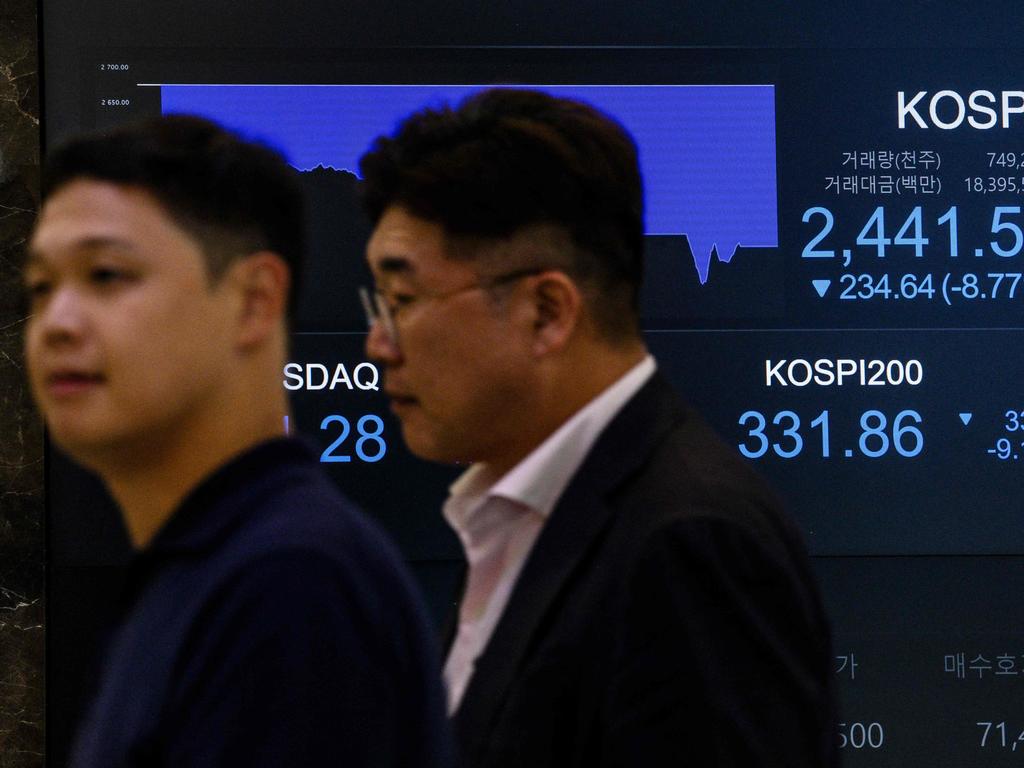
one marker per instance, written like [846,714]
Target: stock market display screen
[834,277]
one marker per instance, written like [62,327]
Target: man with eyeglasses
[634,597]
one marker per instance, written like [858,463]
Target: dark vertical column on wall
[21,439]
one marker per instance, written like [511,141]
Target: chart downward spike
[966,418]
[821,286]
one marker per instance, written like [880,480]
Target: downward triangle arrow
[966,418]
[821,286]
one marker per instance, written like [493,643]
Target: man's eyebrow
[101,242]
[395,265]
[34,257]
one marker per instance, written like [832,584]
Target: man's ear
[263,279]
[557,307]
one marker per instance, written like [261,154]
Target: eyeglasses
[379,309]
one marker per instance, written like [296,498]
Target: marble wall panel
[22,587]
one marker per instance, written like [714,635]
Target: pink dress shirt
[498,519]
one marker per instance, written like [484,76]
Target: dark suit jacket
[666,617]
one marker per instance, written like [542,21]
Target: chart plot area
[707,152]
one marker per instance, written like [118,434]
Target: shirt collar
[539,479]
[213,507]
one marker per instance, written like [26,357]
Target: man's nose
[62,318]
[381,346]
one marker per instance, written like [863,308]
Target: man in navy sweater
[266,622]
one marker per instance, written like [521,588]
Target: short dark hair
[233,196]
[508,159]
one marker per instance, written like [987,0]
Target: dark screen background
[919,547]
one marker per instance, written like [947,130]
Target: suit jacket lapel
[573,528]
[450,627]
